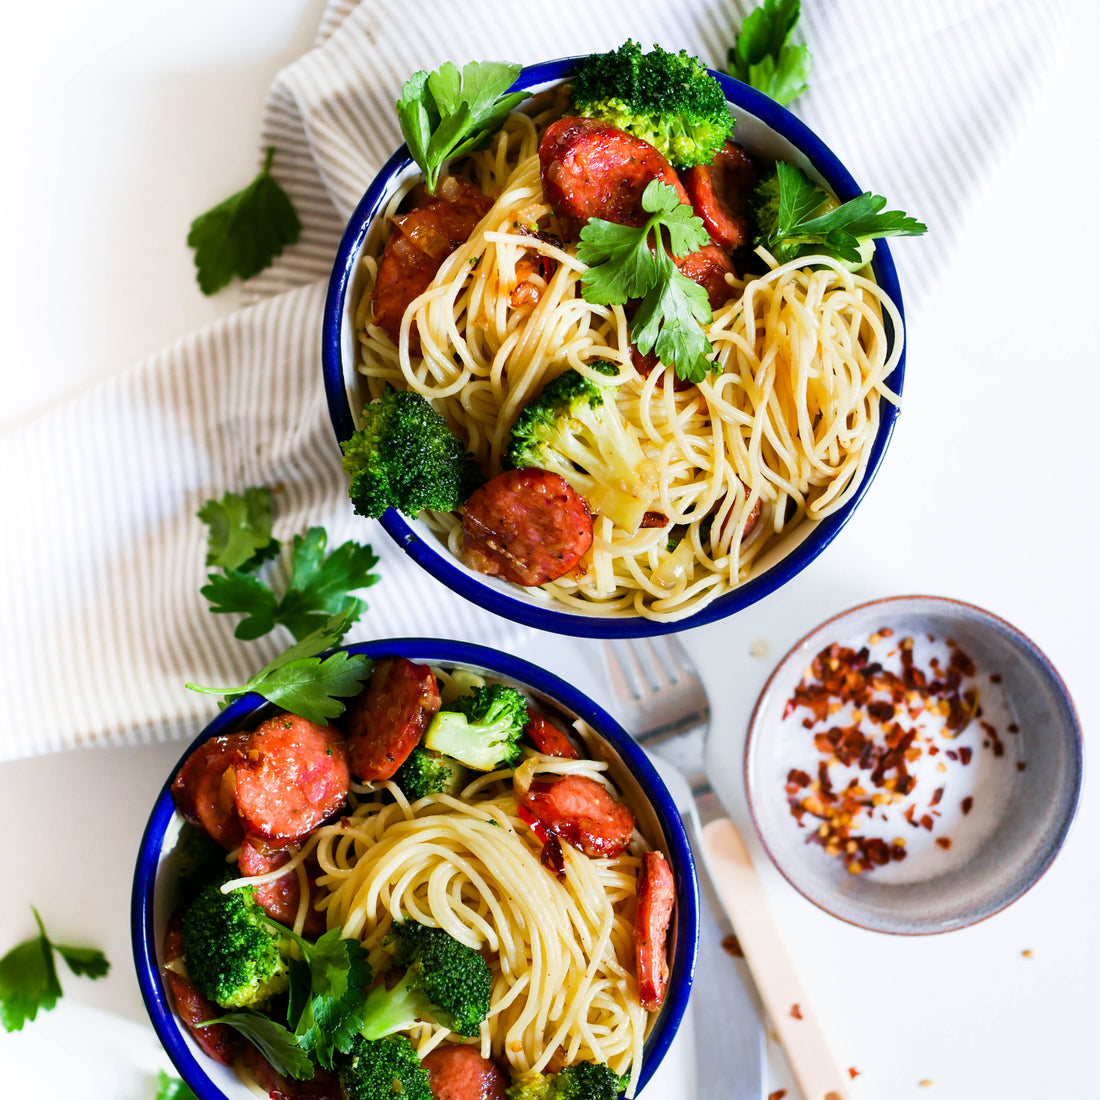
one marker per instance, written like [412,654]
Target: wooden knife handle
[793,1016]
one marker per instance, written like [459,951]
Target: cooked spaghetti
[778,437]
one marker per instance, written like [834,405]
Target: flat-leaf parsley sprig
[624,263]
[447,113]
[28,975]
[763,55]
[320,585]
[301,681]
[243,233]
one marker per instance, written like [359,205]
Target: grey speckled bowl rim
[1043,663]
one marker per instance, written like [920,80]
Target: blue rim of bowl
[1061,692]
[435,560]
[164,1019]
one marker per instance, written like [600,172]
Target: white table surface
[123,120]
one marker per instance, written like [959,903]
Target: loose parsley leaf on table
[301,681]
[243,233]
[762,54]
[622,266]
[275,1042]
[172,1088]
[837,232]
[28,975]
[320,586]
[447,113]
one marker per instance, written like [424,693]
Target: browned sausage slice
[528,526]
[719,192]
[548,739]
[582,812]
[460,1073]
[591,169]
[385,723]
[205,791]
[322,1086]
[708,267]
[421,240]
[220,1041]
[656,897]
[294,774]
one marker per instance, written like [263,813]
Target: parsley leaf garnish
[300,681]
[447,113]
[28,975]
[837,232]
[320,586]
[243,233]
[172,1088]
[622,266]
[762,54]
[277,1044]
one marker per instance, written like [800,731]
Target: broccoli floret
[425,772]
[406,457]
[384,1069]
[231,951]
[667,99]
[482,730]
[579,1081]
[444,981]
[574,428]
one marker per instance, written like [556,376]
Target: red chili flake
[933,750]
[951,754]
[777,1095]
[966,804]
[797,777]
[853,1072]
[927,822]
[995,678]
[796,1012]
[908,815]
[937,794]
[1020,765]
[732,946]
[1013,728]
[944,842]
[966,754]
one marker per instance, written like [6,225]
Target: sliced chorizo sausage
[719,192]
[385,723]
[656,898]
[461,1073]
[321,1086]
[708,267]
[293,775]
[581,811]
[205,788]
[548,739]
[591,169]
[528,526]
[280,898]
[219,1041]
[421,240]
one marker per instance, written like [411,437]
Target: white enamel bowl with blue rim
[1022,801]
[154,881]
[768,130]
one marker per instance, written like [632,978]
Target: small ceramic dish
[156,875]
[913,765]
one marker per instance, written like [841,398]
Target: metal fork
[665,706]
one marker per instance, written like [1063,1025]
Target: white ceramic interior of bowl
[1020,817]
[225,1079]
[751,132]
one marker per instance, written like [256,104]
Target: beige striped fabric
[104,621]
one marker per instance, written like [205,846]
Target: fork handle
[799,1028]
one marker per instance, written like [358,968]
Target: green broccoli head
[579,1081]
[230,950]
[406,457]
[667,99]
[425,773]
[384,1069]
[574,428]
[482,730]
[444,981]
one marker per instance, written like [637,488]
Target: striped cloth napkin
[104,621]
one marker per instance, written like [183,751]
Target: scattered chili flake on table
[777,1095]
[880,723]
[732,946]
[853,1072]
[796,1012]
